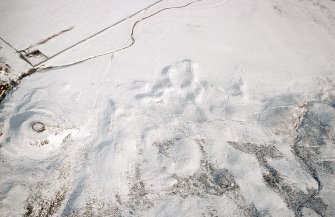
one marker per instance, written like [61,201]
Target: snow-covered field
[167,108]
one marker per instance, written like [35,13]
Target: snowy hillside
[167,108]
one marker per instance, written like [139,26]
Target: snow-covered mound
[204,108]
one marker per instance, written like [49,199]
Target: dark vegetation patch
[10,82]
[138,194]
[295,199]
[208,180]
[41,207]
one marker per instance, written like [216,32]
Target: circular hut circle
[38,127]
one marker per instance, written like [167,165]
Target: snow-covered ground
[168,108]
